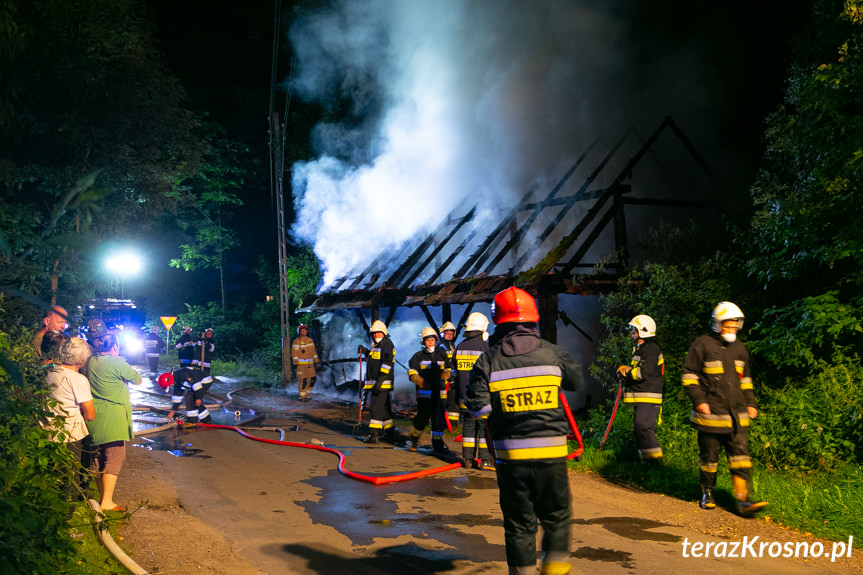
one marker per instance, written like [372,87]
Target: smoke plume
[433,106]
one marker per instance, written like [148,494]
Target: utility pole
[278,159]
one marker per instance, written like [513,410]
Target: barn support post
[546,302]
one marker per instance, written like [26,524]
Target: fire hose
[379,480]
[613,413]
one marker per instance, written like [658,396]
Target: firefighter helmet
[448,326]
[644,326]
[378,326]
[514,304]
[427,332]
[724,311]
[154,329]
[187,329]
[302,326]
[476,322]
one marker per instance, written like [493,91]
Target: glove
[623,371]
[445,374]
[362,349]
[418,380]
[317,366]
[376,390]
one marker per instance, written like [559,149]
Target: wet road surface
[288,510]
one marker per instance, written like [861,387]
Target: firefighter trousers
[736,446]
[154,365]
[381,411]
[306,379]
[532,491]
[644,420]
[473,441]
[430,409]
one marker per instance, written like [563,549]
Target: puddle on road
[172,444]
[363,512]
[631,527]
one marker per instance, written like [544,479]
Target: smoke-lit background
[439,104]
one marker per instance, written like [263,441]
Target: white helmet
[724,311]
[379,326]
[448,326]
[476,322]
[428,332]
[644,326]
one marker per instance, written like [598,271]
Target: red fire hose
[342,469]
[576,435]
[613,413]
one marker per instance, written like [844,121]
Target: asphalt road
[288,510]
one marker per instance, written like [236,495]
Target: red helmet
[514,304]
[302,326]
[166,380]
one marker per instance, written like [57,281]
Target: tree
[208,198]
[809,199]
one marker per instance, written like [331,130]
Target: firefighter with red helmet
[379,383]
[517,383]
[642,381]
[474,447]
[305,358]
[429,369]
[717,378]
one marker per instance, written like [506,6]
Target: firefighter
[191,385]
[305,358]
[154,345]
[185,347]
[474,448]
[203,349]
[516,383]
[642,381]
[718,380]
[448,394]
[429,369]
[379,383]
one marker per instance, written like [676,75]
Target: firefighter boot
[707,500]
[746,507]
[414,441]
[372,437]
[390,435]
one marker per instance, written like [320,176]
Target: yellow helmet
[379,326]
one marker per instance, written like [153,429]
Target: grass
[92,555]
[824,504]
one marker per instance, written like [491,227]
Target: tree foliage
[809,199]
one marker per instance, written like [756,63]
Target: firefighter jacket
[718,373]
[643,383]
[154,344]
[449,349]
[203,352]
[466,354]
[379,365]
[185,348]
[304,355]
[429,365]
[517,383]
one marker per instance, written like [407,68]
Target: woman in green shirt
[112,426]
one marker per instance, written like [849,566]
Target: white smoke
[440,104]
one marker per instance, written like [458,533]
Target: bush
[33,470]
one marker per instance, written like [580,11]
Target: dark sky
[222,54]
